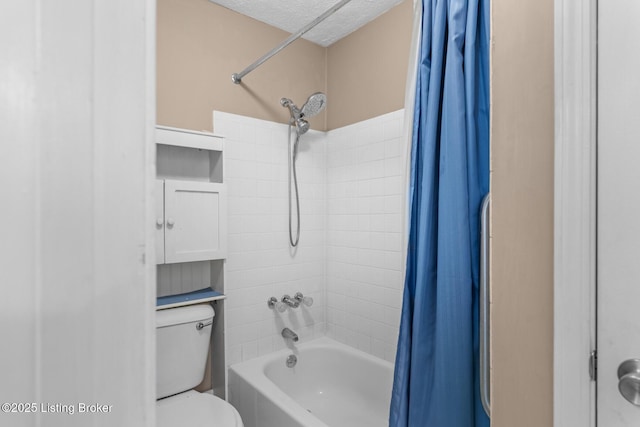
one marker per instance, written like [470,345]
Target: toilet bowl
[182,345]
[195,409]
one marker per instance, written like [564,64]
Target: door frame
[575,211]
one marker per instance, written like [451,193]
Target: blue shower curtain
[436,372]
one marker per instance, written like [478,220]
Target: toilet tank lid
[180,315]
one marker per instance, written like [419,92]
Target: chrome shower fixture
[292,359]
[287,103]
[302,126]
[274,304]
[289,335]
[286,301]
[314,105]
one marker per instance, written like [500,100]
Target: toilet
[182,345]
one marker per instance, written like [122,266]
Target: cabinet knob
[159,222]
[170,222]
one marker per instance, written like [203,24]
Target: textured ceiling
[291,15]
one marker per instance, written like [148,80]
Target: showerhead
[302,126]
[315,104]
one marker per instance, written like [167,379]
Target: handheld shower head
[314,105]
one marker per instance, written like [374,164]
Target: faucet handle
[273,303]
[290,302]
[308,301]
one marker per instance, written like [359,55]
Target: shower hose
[292,171]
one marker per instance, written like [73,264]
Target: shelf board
[189,298]
[166,135]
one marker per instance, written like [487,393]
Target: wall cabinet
[191,218]
[190,221]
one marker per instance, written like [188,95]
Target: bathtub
[332,385]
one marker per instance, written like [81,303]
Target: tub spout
[289,334]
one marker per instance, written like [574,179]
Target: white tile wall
[260,263]
[365,212]
[351,245]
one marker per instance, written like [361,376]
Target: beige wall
[367,70]
[200,44]
[522,213]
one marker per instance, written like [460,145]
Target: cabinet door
[159,221]
[195,221]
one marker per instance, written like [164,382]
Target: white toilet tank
[181,348]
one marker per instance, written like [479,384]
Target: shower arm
[237,77]
[293,109]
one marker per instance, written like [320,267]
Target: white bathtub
[332,385]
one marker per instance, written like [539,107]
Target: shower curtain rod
[237,77]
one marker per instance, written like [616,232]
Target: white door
[195,221]
[618,208]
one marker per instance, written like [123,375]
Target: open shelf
[189,298]
[188,155]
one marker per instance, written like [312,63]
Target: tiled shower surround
[350,254]
[365,223]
